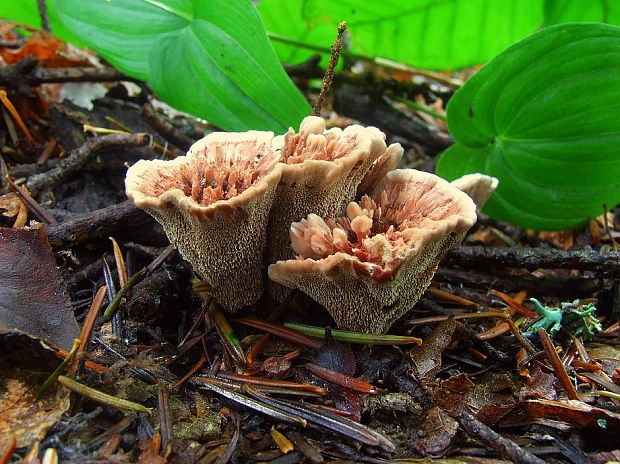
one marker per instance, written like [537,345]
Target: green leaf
[286,19]
[210,58]
[431,34]
[565,11]
[542,117]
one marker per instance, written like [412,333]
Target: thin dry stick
[45,20]
[11,109]
[329,73]
[40,213]
[165,420]
[505,447]
[557,365]
[80,156]
[87,329]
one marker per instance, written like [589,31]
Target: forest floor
[486,385]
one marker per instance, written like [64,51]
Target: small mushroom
[372,266]
[214,205]
[321,173]
[478,186]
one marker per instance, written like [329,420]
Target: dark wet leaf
[32,297]
[436,434]
[336,356]
[541,385]
[427,357]
[451,394]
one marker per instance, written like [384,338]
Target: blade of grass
[354,337]
[329,421]
[87,329]
[100,397]
[272,382]
[113,305]
[59,370]
[227,334]
[121,268]
[557,365]
[252,403]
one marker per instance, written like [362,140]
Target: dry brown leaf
[10,203]
[25,364]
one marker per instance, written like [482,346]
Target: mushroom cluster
[238,202]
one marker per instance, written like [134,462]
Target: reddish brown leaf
[46,48]
[32,299]
[541,385]
[575,413]
[427,357]
[435,436]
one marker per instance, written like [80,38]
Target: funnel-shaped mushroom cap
[322,171]
[372,266]
[214,205]
[479,187]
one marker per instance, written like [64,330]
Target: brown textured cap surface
[372,266]
[321,173]
[214,204]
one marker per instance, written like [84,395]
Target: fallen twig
[35,208]
[78,158]
[26,72]
[165,128]
[505,447]
[535,258]
[96,224]
[329,72]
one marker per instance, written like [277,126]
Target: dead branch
[26,71]
[165,128]
[96,224]
[535,258]
[505,447]
[78,158]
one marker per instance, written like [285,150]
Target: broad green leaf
[286,19]
[564,11]
[542,117]
[210,58]
[431,34]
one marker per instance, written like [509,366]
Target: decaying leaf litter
[163,373]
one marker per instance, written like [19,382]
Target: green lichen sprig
[576,317]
